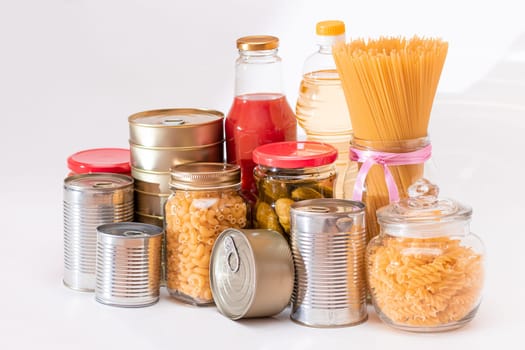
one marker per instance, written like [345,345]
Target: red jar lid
[100,160]
[294,154]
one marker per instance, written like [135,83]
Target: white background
[72,71]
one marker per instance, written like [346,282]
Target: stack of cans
[91,200]
[160,139]
[328,241]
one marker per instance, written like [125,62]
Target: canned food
[251,273]
[149,219]
[328,241]
[100,160]
[128,264]
[150,203]
[287,172]
[181,127]
[89,201]
[163,158]
[151,181]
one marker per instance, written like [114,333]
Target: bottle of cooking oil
[321,106]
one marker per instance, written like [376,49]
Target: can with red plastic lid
[287,172]
[100,160]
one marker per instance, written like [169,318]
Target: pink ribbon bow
[385,159]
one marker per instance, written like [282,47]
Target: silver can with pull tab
[328,240]
[128,264]
[251,273]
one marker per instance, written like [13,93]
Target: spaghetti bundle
[389,85]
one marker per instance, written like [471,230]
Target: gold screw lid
[257,43]
[330,28]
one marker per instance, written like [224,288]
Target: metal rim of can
[132,119]
[105,185]
[234,257]
[177,127]
[129,230]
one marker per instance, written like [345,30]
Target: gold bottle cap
[257,43]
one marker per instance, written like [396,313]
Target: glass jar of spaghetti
[425,269]
[205,200]
[380,171]
[287,172]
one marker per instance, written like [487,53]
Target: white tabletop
[72,71]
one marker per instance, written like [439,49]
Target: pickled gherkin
[265,217]
[282,209]
[302,193]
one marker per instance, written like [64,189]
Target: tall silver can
[91,200]
[128,264]
[328,240]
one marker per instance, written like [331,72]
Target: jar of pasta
[205,201]
[287,172]
[425,268]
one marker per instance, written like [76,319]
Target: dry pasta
[424,282]
[389,86]
[194,219]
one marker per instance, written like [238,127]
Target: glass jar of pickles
[287,172]
[205,201]
[425,268]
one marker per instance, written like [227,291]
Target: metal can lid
[327,215]
[100,160]
[294,154]
[98,182]
[203,176]
[129,230]
[232,274]
[176,117]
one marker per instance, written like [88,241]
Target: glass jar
[205,201]
[375,192]
[260,112]
[287,172]
[425,270]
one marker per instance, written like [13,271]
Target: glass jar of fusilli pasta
[205,200]
[425,268]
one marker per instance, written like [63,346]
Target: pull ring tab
[231,254]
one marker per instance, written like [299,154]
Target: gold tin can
[179,127]
[163,158]
[149,219]
[251,273]
[151,181]
[150,203]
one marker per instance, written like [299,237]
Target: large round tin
[91,200]
[181,127]
[150,203]
[251,273]
[128,264]
[328,241]
[151,181]
[163,158]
